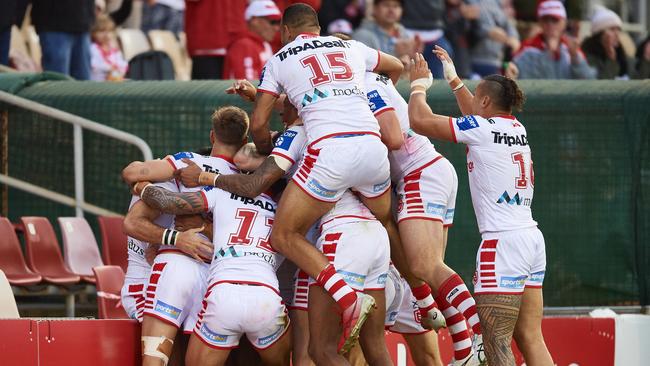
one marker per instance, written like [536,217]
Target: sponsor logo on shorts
[135,248]
[317,188]
[537,277]
[381,186]
[212,336]
[513,282]
[284,141]
[166,309]
[270,338]
[375,101]
[352,278]
[515,200]
[436,209]
[313,97]
[381,280]
[449,215]
[466,123]
[392,316]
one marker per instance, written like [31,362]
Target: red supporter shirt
[246,57]
[211,25]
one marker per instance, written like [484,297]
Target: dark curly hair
[505,92]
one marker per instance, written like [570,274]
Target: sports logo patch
[167,309]
[285,140]
[382,279]
[381,186]
[352,278]
[183,155]
[513,282]
[537,276]
[435,209]
[375,101]
[466,123]
[212,336]
[449,215]
[270,338]
[319,190]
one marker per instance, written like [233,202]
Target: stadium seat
[151,65]
[113,241]
[44,253]
[8,308]
[109,285]
[133,42]
[11,257]
[166,41]
[80,247]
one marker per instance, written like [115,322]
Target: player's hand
[190,243]
[151,252]
[448,68]
[420,75]
[511,71]
[244,89]
[189,175]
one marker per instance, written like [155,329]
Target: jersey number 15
[339,68]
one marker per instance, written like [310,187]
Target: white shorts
[428,193]
[509,261]
[359,251]
[133,298]
[175,290]
[231,310]
[358,162]
[402,313]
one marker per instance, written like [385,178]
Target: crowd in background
[226,39]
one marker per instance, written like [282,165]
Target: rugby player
[511,259]
[323,78]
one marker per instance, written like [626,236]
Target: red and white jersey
[417,150]
[291,145]
[242,231]
[500,170]
[138,267]
[212,164]
[323,78]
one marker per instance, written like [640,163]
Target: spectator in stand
[552,54]
[424,20]
[106,59]
[7,12]
[495,33]
[163,14]
[63,27]
[462,25]
[340,26]
[351,10]
[210,27]
[603,48]
[384,32]
[247,55]
[643,59]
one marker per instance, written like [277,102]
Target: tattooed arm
[251,185]
[174,203]
[138,223]
[150,170]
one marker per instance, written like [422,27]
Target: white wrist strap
[458,87]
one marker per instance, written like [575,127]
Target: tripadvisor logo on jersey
[311,45]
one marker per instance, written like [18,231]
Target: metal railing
[79,123]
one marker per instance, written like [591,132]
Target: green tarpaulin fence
[590,143]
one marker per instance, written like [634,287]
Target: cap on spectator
[604,18]
[551,8]
[339,26]
[262,8]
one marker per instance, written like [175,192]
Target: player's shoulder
[377,80]
[292,135]
[470,122]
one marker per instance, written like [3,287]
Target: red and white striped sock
[454,291]
[423,298]
[457,328]
[334,284]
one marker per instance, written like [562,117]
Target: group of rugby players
[206,240]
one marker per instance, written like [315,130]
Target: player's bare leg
[300,338]
[528,330]
[279,353]
[157,341]
[179,351]
[372,338]
[199,353]
[423,242]
[498,314]
[296,213]
[324,322]
[424,348]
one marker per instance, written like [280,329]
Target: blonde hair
[103,23]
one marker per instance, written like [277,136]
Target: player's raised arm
[389,65]
[151,170]
[170,202]
[422,119]
[463,96]
[260,131]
